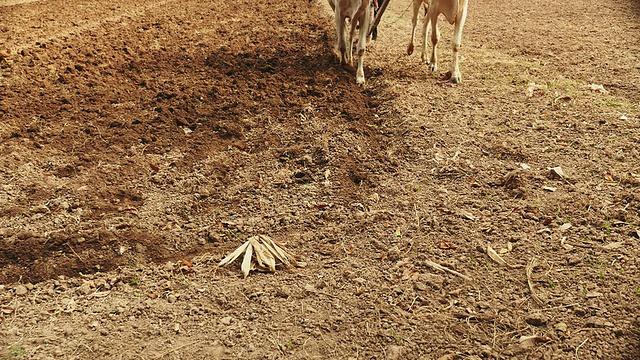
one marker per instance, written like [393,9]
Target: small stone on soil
[85,288]
[226,320]
[21,290]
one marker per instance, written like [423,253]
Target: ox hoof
[433,67]
[455,77]
[410,49]
[343,59]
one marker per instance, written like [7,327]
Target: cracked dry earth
[142,141]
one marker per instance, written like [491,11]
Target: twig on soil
[176,349]
[75,253]
[579,346]
[412,303]
[532,264]
[442,268]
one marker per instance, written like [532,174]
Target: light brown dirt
[142,141]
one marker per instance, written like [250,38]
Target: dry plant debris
[532,340]
[266,251]
[495,257]
[439,267]
[529,271]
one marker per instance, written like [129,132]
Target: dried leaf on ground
[445,245]
[564,227]
[495,257]
[186,263]
[613,245]
[561,327]
[596,88]
[529,271]
[467,215]
[234,255]
[533,87]
[531,341]
[557,172]
[246,262]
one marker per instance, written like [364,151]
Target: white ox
[360,14]
[455,11]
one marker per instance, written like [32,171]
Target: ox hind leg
[454,74]
[342,47]
[350,40]
[432,18]
[425,33]
[414,22]
[365,22]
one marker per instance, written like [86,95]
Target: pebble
[169,266]
[85,288]
[21,290]
[226,320]
[171,299]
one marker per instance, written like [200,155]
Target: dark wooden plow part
[376,20]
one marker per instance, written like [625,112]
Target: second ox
[455,11]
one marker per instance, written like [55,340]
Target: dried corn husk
[266,250]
